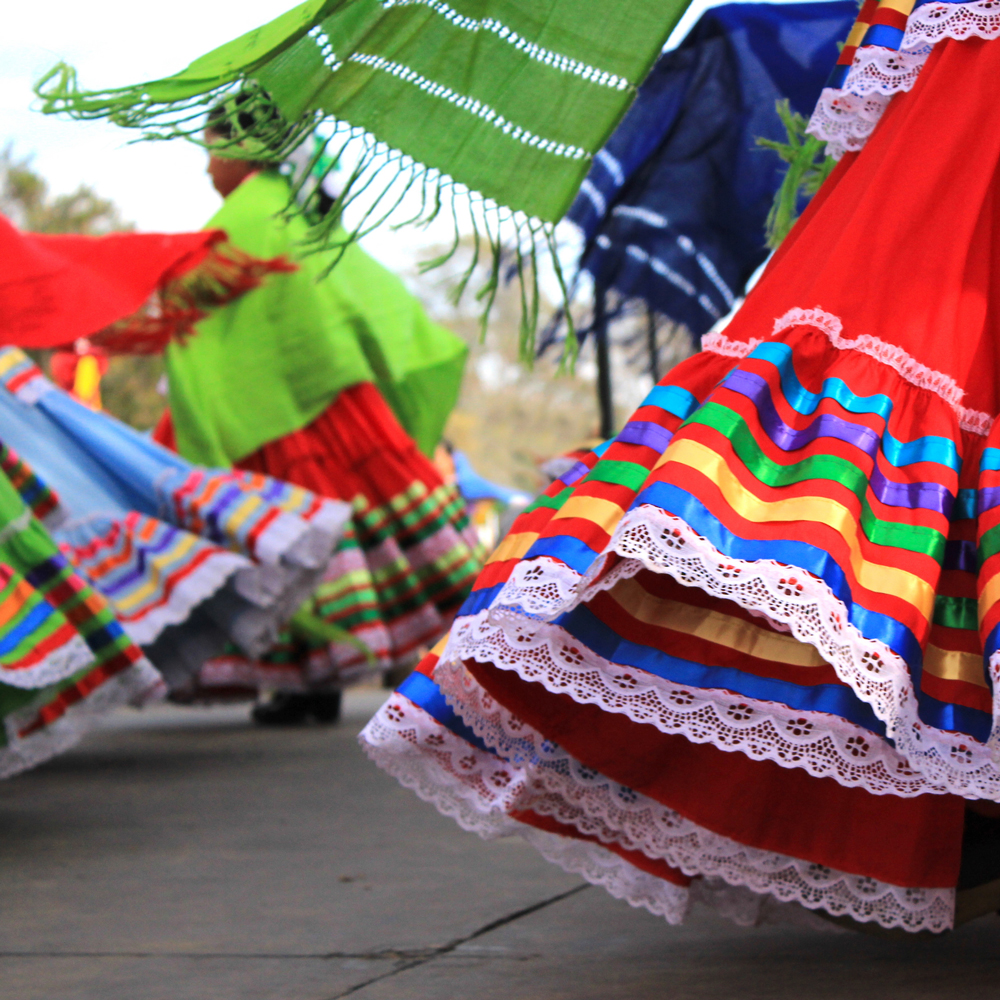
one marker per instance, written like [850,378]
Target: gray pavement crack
[435,953]
[408,958]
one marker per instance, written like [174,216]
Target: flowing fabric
[535,86]
[747,654]
[674,207]
[269,364]
[130,291]
[64,657]
[188,558]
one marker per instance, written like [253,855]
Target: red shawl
[125,291]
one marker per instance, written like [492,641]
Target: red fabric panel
[909,842]
[903,245]
[57,288]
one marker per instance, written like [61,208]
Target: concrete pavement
[181,854]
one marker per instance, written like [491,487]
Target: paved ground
[183,855]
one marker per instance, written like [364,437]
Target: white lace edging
[845,121]
[845,118]
[477,789]
[933,22]
[903,363]
[63,662]
[876,70]
[137,685]
[579,796]
[664,543]
[823,745]
[190,592]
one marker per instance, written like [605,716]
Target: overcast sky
[159,186]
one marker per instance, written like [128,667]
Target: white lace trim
[904,364]
[934,21]
[455,778]
[187,594]
[63,662]
[579,796]
[718,343]
[542,587]
[845,118]
[666,544]
[845,121]
[882,71]
[823,745]
[136,685]
[478,789]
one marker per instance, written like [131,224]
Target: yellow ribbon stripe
[874,577]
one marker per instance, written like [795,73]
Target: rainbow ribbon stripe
[140,563]
[811,457]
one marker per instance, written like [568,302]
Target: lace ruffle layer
[824,746]
[905,365]
[844,118]
[137,685]
[925,759]
[479,790]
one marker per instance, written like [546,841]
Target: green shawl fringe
[490,109]
[808,168]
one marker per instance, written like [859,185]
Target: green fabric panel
[484,66]
[241,54]
[956,612]
[509,97]
[913,537]
[272,361]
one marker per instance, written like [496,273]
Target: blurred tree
[129,389]
[26,201]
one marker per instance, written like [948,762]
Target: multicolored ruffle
[884,54]
[190,559]
[776,556]
[40,499]
[833,534]
[63,655]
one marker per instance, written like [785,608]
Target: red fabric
[55,289]
[909,842]
[902,246]
[163,432]
[356,445]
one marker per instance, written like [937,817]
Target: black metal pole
[654,351]
[604,400]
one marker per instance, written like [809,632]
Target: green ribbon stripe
[989,544]
[914,538]
[631,475]
[956,612]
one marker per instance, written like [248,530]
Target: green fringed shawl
[507,99]
[272,361]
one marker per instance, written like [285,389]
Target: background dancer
[340,383]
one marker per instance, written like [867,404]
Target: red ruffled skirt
[749,655]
